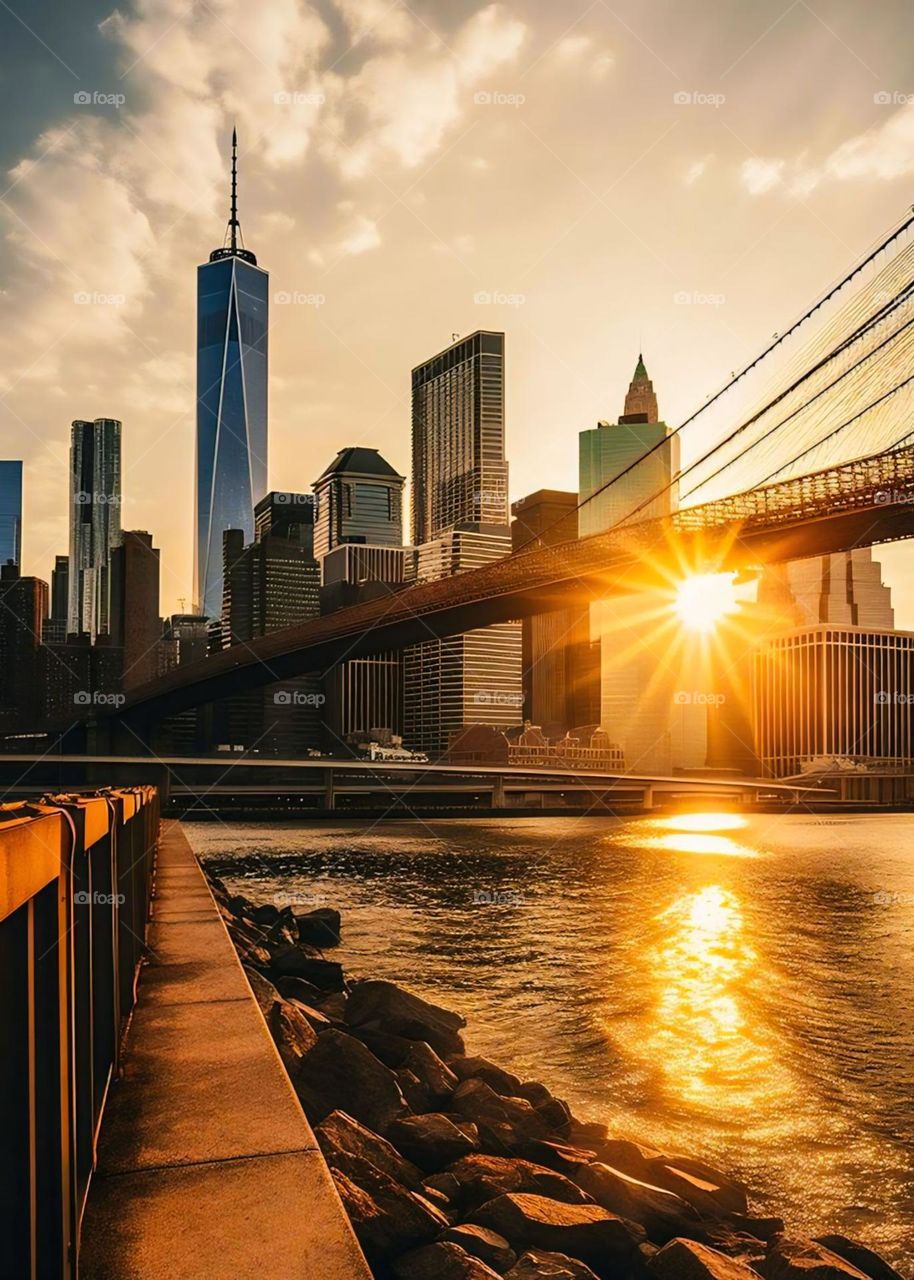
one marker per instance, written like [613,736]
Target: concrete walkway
[207,1167]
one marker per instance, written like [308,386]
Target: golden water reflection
[700,833]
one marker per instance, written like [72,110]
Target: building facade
[136,627]
[54,630]
[459,522]
[11,512]
[231,453]
[843,589]
[95,523]
[831,693]
[23,606]
[359,499]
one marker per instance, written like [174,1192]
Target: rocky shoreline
[451,1168]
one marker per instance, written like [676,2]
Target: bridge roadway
[861,503]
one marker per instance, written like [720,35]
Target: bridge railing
[75,875]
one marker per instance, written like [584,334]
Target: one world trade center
[231,461]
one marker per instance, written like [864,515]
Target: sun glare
[703,600]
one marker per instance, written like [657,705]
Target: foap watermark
[298,299]
[96,98]
[497,698]
[495,298]
[83,898]
[297,698]
[86,299]
[893,698]
[695,298]
[697,98]
[698,698]
[498,898]
[893,497]
[495,98]
[892,98]
[85,499]
[293,499]
[299,98]
[885,898]
[97,698]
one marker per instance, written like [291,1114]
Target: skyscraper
[11,512]
[359,499]
[460,522]
[95,522]
[54,630]
[23,605]
[135,623]
[231,463]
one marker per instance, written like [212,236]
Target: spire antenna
[233,220]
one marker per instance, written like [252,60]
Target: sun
[703,600]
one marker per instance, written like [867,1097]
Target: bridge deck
[207,1167]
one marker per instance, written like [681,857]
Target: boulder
[558,1155]
[629,1157]
[859,1256]
[388,1219]
[430,1141]
[341,1138]
[320,927]
[662,1213]
[583,1231]
[442,1261]
[340,1074]
[488,1246]
[708,1190]
[383,1006]
[503,1082]
[438,1080]
[287,960]
[265,914]
[444,1184]
[417,1097]
[299,989]
[334,1007]
[483,1177]
[391,1050]
[292,1033]
[688,1260]
[508,1121]
[763,1228]
[540,1264]
[319,1021]
[789,1258]
[265,993]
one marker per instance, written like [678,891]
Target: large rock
[383,1006]
[584,1231]
[442,1261]
[859,1256]
[792,1259]
[707,1189]
[503,1082]
[436,1078]
[319,1021]
[340,1074]
[430,1141]
[488,1246]
[662,1213]
[558,1155]
[320,927]
[391,1050]
[688,1260]
[292,1033]
[288,960]
[540,1264]
[343,1140]
[483,1177]
[388,1219]
[265,993]
[298,989]
[507,1122]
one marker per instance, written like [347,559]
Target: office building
[54,630]
[11,512]
[231,460]
[460,522]
[79,676]
[136,627]
[833,695]
[23,606]
[561,664]
[286,515]
[843,589]
[359,499]
[95,523]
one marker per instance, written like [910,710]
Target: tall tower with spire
[231,456]
[641,402]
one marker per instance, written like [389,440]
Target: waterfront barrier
[75,881]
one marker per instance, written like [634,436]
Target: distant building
[79,676]
[23,606]
[136,627]
[286,515]
[828,692]
[11,512]
[460,522]
[843,589]
[561,664]
[184,639]
[584,749]
[622,466]
[232,347]
[54,630]
[359,540]
[95,522]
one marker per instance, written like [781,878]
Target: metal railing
[75,878]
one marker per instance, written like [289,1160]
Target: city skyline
[336,207]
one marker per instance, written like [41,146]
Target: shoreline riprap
[452,1168]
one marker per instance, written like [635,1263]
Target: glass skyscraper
[231,465]
[95,522]
[10,512]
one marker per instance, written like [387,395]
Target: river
[738,987]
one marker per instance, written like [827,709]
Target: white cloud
[696,171]
[759,176]
[884,153]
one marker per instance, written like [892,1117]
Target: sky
[677,176]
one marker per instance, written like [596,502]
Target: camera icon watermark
[84,298]
[297,698]
[698,698]
[98,698]
[288,499]
[695,298]
[296,299]
[893,98]
[695,98]
[95,98]
[298,98]
[82,898]
[494,98]
[893,698]
[497,898]
[495,298]
[497,698]
[85,499]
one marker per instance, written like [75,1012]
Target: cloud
[696,171]
[759,176]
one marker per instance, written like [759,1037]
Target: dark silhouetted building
[11,512]
[135,623]
[54,630]
[23,606]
